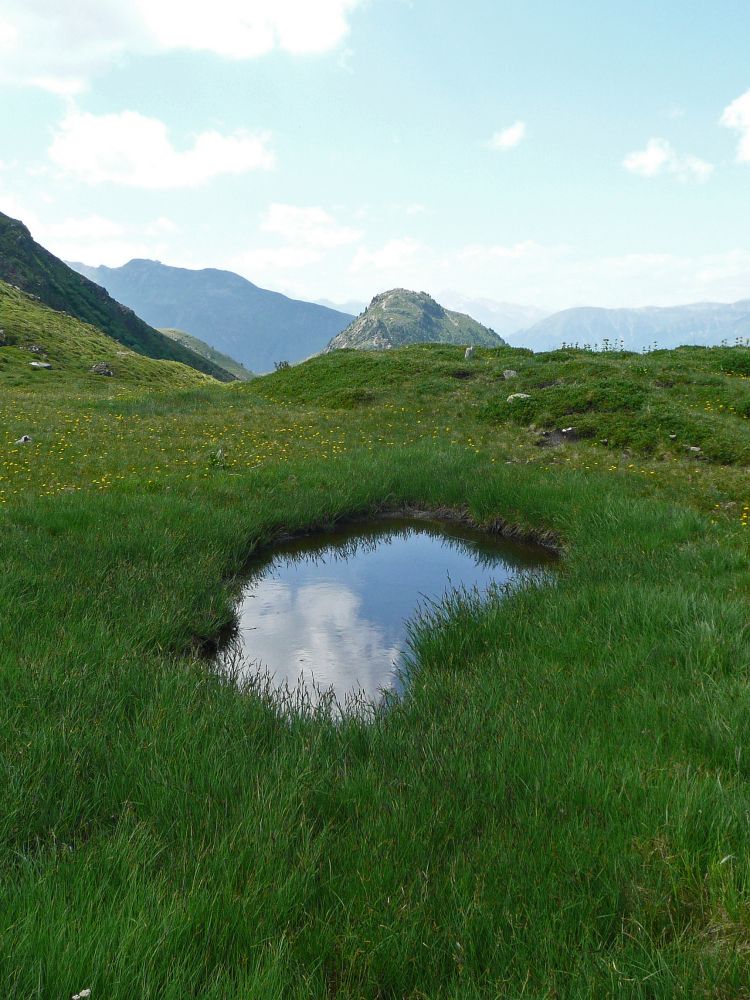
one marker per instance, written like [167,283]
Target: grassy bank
[557,809]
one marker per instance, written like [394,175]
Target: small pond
[329,611]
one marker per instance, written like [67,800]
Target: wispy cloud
[308,226]
[393,255]
[130,149]
[659,157]
[737,117]
[509,137]
[60,46]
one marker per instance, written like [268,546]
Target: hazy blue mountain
[701,323]
[255,326]
[503,317]
[354,308]
[400,317]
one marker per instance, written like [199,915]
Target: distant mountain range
[26,265]
[258,327]
[353,308]
[505,318]
[400,317]
[255,326]
[702,323]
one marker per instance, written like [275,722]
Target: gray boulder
[101,368]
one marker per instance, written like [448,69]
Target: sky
[547,152]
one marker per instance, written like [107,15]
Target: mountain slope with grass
[702,323]
[210,353]
[557,806]
[34,335]
[254,325]
[400,317]
[28,266]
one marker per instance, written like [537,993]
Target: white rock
[40,364]
[509,373]
[468,353]
[518,395]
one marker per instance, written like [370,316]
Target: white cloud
[8,37]
[308,227]
[393,255]
[93,239]
[45,41]
[527,250]
[269,259]
[659,157]
[242,29]
[508,137]
[315,632]
[128,148]
[737,117]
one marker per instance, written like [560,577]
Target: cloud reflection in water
[331,611]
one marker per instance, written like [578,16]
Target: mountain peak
[399,316]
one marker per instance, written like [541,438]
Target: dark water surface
[330,610]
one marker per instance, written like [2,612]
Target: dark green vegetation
[206,351]
[32,269]
[559,806]
[399,317]
[256,326]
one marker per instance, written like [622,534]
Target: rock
[553,439]
[518,395]
[101,368]
[24,439]
[468,353]
[672,437]
[509,373]
[40,364]
[36,349]
[695,449]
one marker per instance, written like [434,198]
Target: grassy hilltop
[557,808]
[400,317]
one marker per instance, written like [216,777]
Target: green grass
[559,806]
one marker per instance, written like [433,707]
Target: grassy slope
[72,347]
[206,351]
[558,809]
[27,265]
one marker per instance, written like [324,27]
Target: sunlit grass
[557,808]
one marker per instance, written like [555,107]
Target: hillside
[254,325]
[28,266]
[210,353]
[702,323]
[400,317]
[34,334]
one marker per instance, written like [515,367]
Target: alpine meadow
[550,797]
